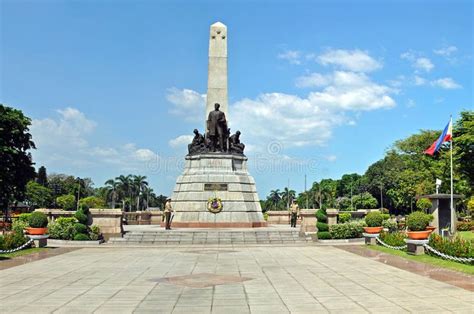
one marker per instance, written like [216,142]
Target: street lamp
[438,184]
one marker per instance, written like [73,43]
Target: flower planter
[419,235]
[36,231]
[372,230]
[431,228]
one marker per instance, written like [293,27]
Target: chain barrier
[449,257]
[390,246]
[28,243]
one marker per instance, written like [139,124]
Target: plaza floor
[264,279]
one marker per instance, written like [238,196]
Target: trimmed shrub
[454,247]
[465,226]
[95,233]
[374,219]
[385,216]
[66,202]
[84,208]
[38,220]
[62,228]
[321,215]
[348,230]
[81,217]
[322,226]
[423,204]
[417,221]
[265,216]
[391,225]
[344,217]
[24,217]
[81,237]
[324,235]
[12,241]
[19,225]
[80,228]
[393,238]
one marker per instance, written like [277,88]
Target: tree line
[399,178]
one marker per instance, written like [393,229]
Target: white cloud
[187,103]
[180,141]
[423,64]
[292,56]
[312,80]
[446,51]
[419,81]
[446,83]
[331,158]
[417,62]
[64,141]
[352,60]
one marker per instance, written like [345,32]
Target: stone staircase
[211,237]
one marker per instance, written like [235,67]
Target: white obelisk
[217,71]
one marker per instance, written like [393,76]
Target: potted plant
[374,222]
[38,223]
[417,223]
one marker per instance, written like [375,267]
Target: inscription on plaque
[215,187]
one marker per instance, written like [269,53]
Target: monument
[216,189]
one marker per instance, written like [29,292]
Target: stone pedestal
[40,240]
[332,216]
[416,247]
[308,222]
[218,175]
[370,238]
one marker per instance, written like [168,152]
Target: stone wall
[109,220]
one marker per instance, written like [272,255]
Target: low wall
[109,220]
[143,217]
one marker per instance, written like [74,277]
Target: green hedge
[62,228]
[344,217]
[455,247]
[348,230]
[322,226]
[393,238]
[465,226]
[324,235]
[12,240]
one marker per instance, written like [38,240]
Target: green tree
[42,178]
[111,187]
[16,166]
[66,202]
[38,195]
[92,202]
[364,201]
[139,184]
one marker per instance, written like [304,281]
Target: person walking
[294,212]
[168,211]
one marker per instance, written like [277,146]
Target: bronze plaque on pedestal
[215,186]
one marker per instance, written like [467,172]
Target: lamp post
[78,192]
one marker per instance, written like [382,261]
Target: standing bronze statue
[217,129]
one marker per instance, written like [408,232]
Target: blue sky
[319,88]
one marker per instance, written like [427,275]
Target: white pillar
[217,71]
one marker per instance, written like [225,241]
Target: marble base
[216,175]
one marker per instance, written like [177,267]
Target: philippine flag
[446,136]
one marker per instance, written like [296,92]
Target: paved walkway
[222,280]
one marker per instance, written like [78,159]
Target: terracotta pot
[373,230]
[419,235]
[431,228]
[36,231]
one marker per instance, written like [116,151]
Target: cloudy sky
[320,88]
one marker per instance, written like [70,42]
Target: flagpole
[453,222]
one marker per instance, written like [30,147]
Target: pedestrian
[168,211]
[294,212]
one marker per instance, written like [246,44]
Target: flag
[446,136]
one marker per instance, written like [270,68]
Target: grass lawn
[427,259]
[466,235]
[21,253]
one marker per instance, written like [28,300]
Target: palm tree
[111,185]
[139,184]
[275,197]
[124,187]
[287,196]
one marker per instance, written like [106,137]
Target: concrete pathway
[222,280]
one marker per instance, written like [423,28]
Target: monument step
[179,237]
